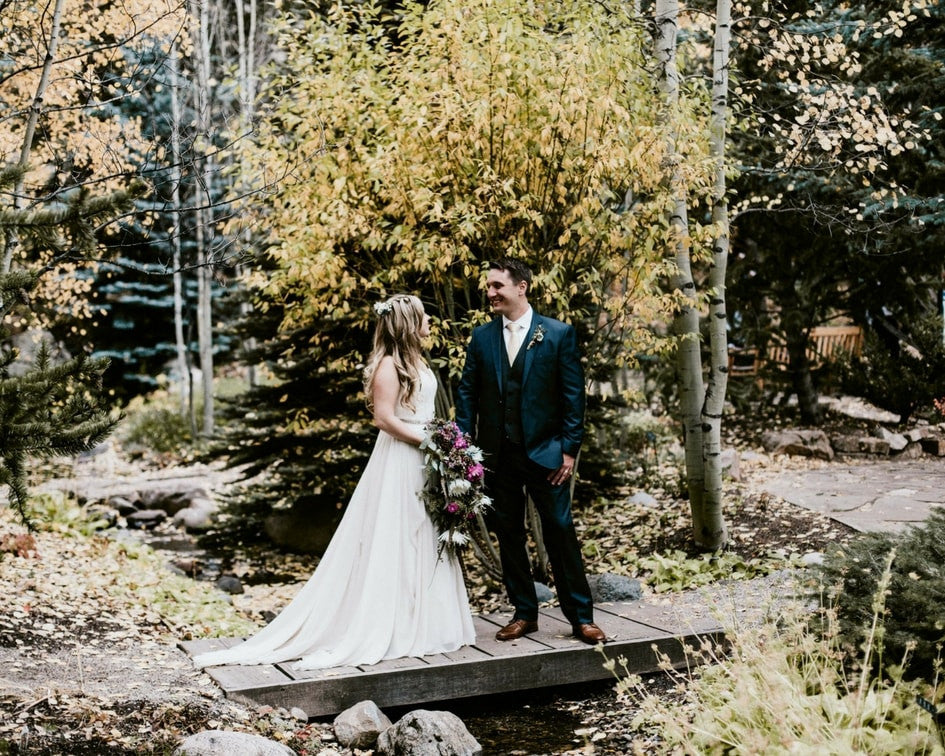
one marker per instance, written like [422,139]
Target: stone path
[875,496]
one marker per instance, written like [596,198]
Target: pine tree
[48,409]
[834,236]
[303,434]
[913,612]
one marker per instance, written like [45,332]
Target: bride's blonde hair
[399,320]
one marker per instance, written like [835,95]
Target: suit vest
[513,396]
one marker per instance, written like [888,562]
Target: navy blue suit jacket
[552,390]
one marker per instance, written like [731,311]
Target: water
[541,722]
[514,728]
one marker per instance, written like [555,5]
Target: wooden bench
[825,344]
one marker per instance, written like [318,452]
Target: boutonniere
[537,337]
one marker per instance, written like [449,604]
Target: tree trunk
[799,365]
[713,532]
[11,240]
[204,224]
[183,368]
[246,52]
[686,323]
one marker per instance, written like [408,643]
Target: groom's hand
[563,473]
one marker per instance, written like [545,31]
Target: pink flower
[452,507]
[474,472]
[460,442]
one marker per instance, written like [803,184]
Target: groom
[522,398]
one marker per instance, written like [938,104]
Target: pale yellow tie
[515,340]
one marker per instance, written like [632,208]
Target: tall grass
[782,688]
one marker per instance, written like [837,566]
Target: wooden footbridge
[636,631]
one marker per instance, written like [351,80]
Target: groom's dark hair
[518,270]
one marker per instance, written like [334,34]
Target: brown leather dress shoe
[589,633]
[516,629]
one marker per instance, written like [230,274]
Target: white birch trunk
[204,229]
[183,368]
[686,323]
[713,531]
[12,241]
[246,51]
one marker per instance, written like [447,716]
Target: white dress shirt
[523,323]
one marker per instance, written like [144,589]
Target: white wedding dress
[380,591]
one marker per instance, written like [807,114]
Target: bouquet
[453,493]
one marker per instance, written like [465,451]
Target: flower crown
[382,308]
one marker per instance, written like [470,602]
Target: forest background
[200,202]
[193,188]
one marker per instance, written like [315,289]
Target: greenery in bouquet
[453,493]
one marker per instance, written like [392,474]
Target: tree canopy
[459,132]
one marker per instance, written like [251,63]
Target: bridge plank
[485,640]
[251,677]
[204,645]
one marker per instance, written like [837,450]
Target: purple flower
[460,442]
[452,507]
[474,472]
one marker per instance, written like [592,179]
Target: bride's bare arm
[386,388]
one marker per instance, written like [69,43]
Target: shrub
[155,423]
[898,377]
[625,445]
[915,606]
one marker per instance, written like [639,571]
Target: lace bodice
[424,400]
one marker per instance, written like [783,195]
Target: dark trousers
[513,478]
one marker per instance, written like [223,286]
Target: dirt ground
[89,626]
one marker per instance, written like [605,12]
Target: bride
[381,590]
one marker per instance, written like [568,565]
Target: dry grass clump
[783,688]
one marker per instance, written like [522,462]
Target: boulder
[644,500]
[846,444]
[146,518]
[428,733]
[105,516]
[897,442]
[862,445]
[194,519]
[198,516]
[169,497]
[297,713]
[123,506]
[915,435]
[544,593]
[812,559]
[872,445]
[229,584]
[223,743]
[610,587]
[731,464]
[912,451]
[934,445]
[805,443]
[360,725]
[305,528]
